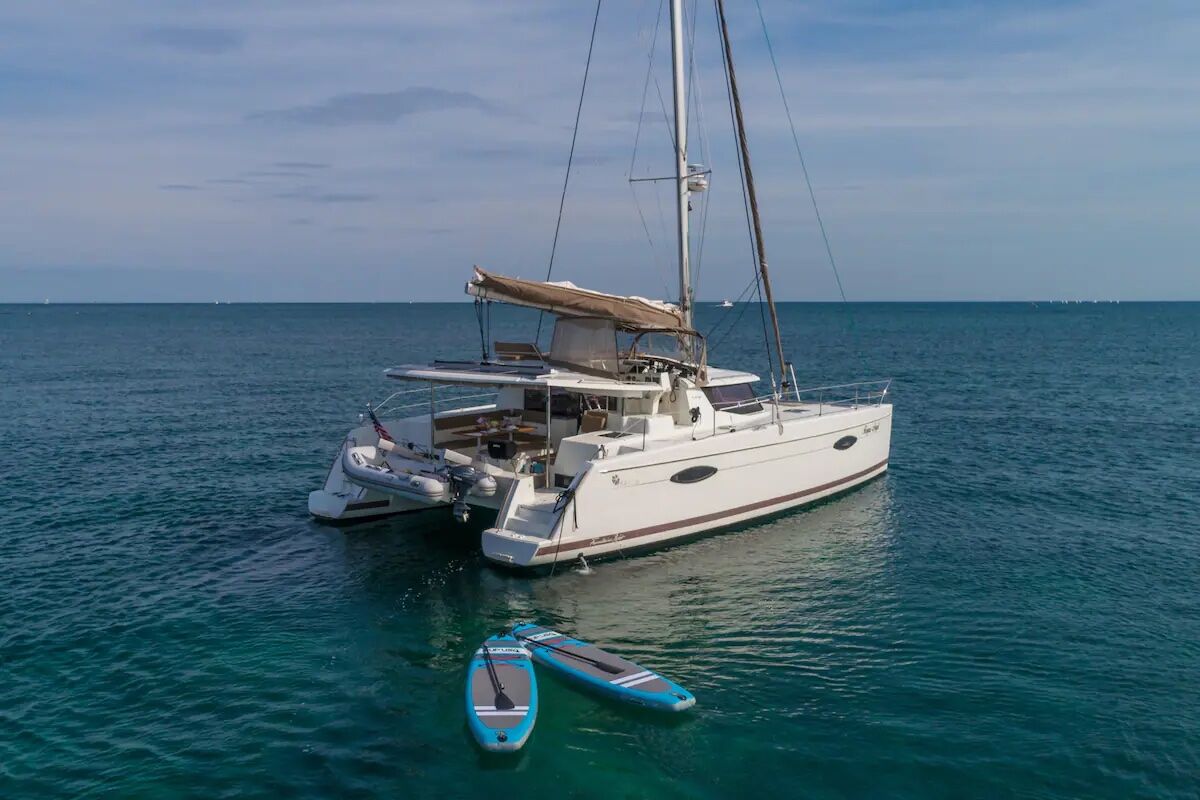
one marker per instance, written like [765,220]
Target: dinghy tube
[421,482]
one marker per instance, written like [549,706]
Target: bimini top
[567,300]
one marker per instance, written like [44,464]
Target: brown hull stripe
[731,512]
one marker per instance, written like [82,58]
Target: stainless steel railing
[420,400]
[842,395]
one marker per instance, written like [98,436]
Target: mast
[681,168]
[745,149]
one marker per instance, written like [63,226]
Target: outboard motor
[466,480]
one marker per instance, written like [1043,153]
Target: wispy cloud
[993,149]
[377,107]
[274,173]
[312,195]
[207,41]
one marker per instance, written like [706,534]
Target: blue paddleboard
[602,671]
[501,694]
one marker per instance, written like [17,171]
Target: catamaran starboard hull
[619,508]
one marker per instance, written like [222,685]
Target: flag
[380,431]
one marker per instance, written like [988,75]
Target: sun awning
[568,300]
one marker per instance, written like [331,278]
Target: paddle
[503,703]
[609,668]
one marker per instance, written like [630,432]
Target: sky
[293,150]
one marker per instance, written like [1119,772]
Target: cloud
[206,41]
[275,174]
[554,155]
[377,107]
[314,196]
[978,149]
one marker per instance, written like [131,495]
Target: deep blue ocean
[1013,611]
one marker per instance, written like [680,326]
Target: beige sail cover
[568,300]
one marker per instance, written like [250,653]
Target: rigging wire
[796,141]
[732,321]
[646,88]
[746,207]
[637,205]
[570,156]
[702,137]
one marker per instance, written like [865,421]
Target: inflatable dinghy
[386,468]
[501,694]
[602,671]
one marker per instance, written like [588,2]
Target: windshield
[584,344]
[673,345]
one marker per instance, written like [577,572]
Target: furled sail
[567,300]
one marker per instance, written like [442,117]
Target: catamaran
[621,437]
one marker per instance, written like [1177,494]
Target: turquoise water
[1013,611]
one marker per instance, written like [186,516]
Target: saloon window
[736,399]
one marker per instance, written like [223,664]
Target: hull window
[845,443]
[693,474]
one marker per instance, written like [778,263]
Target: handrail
[866,393]
[386,406]
[886,382]
[762,399]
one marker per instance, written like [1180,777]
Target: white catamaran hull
[645,500]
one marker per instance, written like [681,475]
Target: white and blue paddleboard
[501,694]
[602,671]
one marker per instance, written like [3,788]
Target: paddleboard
[602,671]
[502,699]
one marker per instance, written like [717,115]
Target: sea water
[1012,611]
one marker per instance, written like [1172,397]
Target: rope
[570,157]
[565,498]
